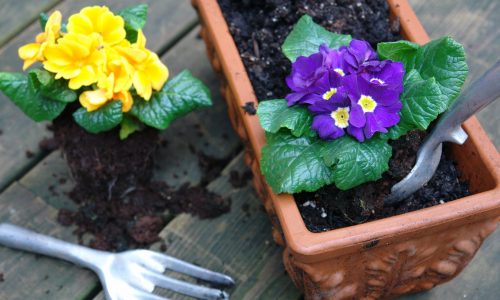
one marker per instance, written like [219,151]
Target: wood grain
[15,15]
[29,276]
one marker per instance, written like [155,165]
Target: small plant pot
[380,259]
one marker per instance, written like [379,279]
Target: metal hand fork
[477,96]
[130,275]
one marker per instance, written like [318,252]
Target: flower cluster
[95,53]
[347,89]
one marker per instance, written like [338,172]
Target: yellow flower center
[329,94]
[367,103]
[341,117]
[339,71]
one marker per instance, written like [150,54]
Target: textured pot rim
[307,246]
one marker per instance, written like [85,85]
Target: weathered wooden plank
[29,276]
[475,25]
[206,131]
[168,20]
[16,15]
[238,243]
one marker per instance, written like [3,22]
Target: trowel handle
[475,97]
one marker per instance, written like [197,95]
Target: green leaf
[422,102]
[307,36]
[135,18]
[181,95]
[43,18]
[275,114]
[51,88]
[128,126]
[355,163]
[21,90]
[444,60]
[293,164]
[103,119]
[403,51]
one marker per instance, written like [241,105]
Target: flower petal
[357,117]
[324,125]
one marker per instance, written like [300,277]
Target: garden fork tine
[183,267]
[130,275]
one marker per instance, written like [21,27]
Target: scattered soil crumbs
[2,278]
[1,131]
[249,108]
[118,203]
[29,154]
[48,144]
[238,180]
[330,208]
[259,27]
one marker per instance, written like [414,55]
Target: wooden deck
[238,243]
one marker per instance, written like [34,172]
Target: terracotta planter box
[380,259]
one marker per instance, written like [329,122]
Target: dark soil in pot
[259,28]
[118,203]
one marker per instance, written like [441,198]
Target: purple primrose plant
[348,90]
[347,100]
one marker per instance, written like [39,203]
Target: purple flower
[331,118]
[374,108]
[359,54]
[326,87]
[306,71]
[389,74]
[347,89]
[334,59]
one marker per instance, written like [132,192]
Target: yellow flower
[120,68]
[33,52]
[150,73]
[98,20]
[75,57]
[93,100]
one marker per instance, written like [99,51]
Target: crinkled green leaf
[444,60]
[293,164]
[181,95]
[105,118]
[21,90]
[275,114]
[403,51]
[128,126]
[51,88]
[307,36]
[434,76]
[355,163]
[422,101]
[135,18]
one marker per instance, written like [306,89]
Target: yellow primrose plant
[100,59]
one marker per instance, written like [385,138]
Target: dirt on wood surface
[259,28]
[118,203]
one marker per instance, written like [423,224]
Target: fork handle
[20,238]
